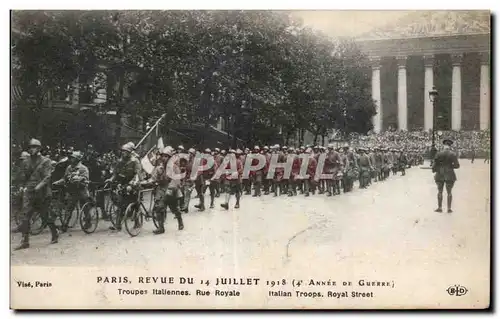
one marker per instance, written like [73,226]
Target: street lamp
[433,96]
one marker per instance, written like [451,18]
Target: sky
[348,23]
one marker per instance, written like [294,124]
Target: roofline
[421,37]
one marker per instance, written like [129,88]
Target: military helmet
[191,151]
[35,143]
[128,147]
[24,155]
[167,150]
[77,155]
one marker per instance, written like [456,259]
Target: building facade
[448,50]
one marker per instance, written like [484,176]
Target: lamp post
[433,95]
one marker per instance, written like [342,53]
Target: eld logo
[457,290]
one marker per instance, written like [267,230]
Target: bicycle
[108,212]
[136,212]
[86,214]
[37,223]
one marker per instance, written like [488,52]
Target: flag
[150,144]
[148,162]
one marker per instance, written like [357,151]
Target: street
[354,225]
[386,232]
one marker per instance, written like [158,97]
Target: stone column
[456,92]
[376,95]
[484,99]
[402,94]
[429,83]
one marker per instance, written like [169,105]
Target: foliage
[261,70]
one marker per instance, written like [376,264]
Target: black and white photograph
[250,159]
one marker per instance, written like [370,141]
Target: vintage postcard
[250,159]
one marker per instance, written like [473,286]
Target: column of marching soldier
[37,174]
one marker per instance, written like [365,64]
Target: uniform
[124,173]
[444,167]
[34,176]
[233,182]
[167,195]
[76,180]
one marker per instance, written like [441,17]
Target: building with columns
[448,50]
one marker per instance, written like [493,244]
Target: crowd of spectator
[467,144]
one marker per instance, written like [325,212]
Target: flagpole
[150,131]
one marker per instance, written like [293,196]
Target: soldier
[445,163]
[310,184]
[218,161]
[127,173]
[34,178]
[365,168]
[266,183]
[233,181]
[332,166]
[246,181]
[210,183]
[294,179]
[353,169]
[402,162]
[256,176]
[168,191]
[344,160]
[188,184]
[386,162]
[278,181]
[200,184]
[76,180]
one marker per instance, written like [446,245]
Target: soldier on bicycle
[76,181]
[127,173]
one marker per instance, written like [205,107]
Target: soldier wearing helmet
[186,166]
[76,180]
[311,182]
[168,190]
[127,173]
[233,180]
[200,183]
[332,167]
[218,158]
[34,178]
[255,177]
[266,183]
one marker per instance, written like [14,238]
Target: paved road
[388,231]
[397,210]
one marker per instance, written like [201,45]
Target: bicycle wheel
[112,211]
[133,219]
[89,218]
[64,218]
[37,224]
[18,217]
[155,219]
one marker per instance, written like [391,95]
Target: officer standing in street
[34,177]
[445,163]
